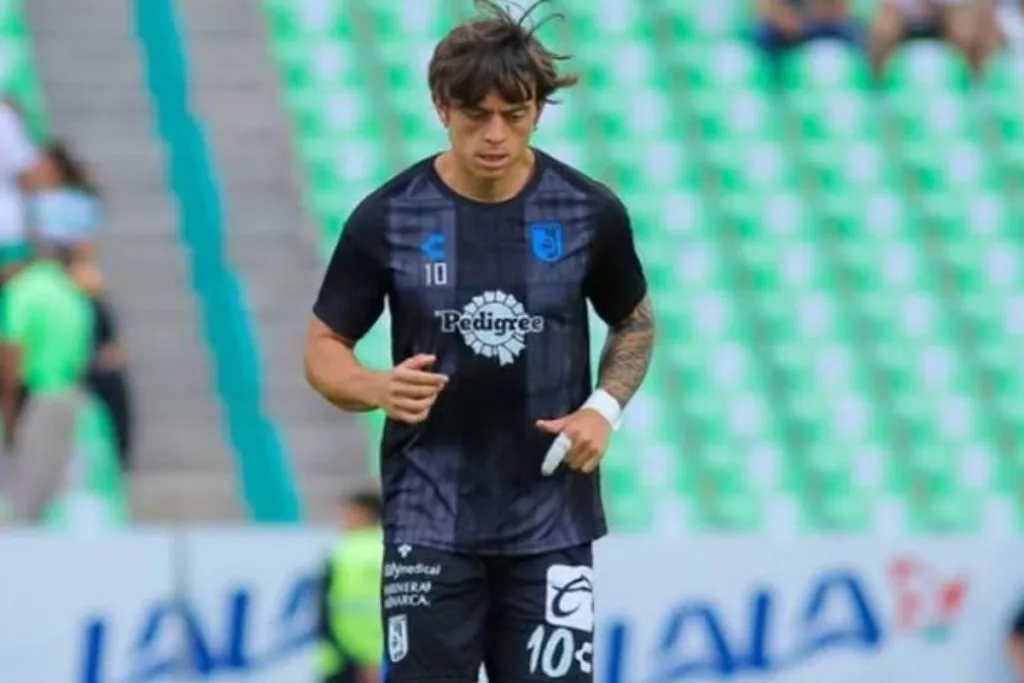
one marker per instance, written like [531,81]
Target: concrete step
[324,493]
[211,21]
[101,129]
[199,448]
[92,20]
[93,100]
[185,498]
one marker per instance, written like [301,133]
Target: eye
[517,115]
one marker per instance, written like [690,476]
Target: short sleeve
[615,282]
[17,152]
[15,316]
[353,290]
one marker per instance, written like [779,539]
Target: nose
[496,131]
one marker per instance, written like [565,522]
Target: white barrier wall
[104,609]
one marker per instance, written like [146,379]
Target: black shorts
[526,618]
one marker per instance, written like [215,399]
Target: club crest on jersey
[493,324]
[546,241]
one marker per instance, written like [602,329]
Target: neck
[458,178]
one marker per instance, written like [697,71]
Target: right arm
[334,371]
[350,300]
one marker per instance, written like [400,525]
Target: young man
[350,627]
[487,255]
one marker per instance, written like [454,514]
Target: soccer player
[487,255]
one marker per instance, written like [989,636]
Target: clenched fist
[409,390]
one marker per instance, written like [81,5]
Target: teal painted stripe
[264,468]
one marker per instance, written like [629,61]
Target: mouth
[492,159]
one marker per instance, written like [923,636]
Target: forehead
[494,102]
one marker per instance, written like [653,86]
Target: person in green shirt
[351,641]
[47,328]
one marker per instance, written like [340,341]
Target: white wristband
[605,404]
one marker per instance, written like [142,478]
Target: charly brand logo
[493,324]
[570,597]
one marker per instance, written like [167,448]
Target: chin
[489,173]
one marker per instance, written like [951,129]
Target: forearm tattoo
[627,353]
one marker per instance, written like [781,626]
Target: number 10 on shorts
[553,652]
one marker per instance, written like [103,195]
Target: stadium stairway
[270,240]
[91,69]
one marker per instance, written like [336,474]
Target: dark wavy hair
[72,171]
[496,51]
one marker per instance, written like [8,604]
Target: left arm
[617,287]
[9,394]
[627,353]
[15,324]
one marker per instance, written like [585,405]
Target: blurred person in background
[1015,645]
[350,630]
[22,170]
[68,212]
[1000,25]
[107,375]
[48,326]
[784,24]
[899,20]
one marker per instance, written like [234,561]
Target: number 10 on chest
[435,273]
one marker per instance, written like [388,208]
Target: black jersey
[498,292]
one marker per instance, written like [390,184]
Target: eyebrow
[510,110]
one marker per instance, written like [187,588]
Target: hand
[584,433]
[409,390]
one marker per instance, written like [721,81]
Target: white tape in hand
[600,401]
[555,455]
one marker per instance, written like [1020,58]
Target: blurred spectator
[1015,645]
[350,632]
[107,375]
[48,330]
[22,169]
[1000,24]
[783,24]
[68,213]
[900,20]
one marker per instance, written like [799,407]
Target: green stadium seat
[704,22]
[847,169]
[942,116]
[823,68]
[923,68]
[839,116]
[716,70]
